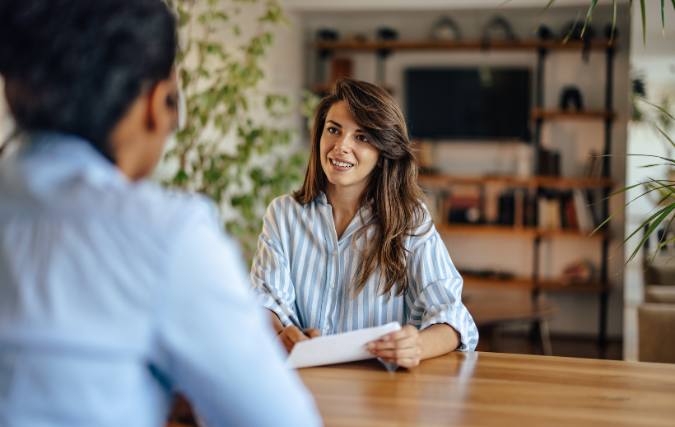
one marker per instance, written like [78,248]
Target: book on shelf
[464,205]
[593,167]
[544,208]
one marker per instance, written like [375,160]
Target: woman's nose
[342,145]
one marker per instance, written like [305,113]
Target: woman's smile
[340,165]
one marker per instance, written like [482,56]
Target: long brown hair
[392,190]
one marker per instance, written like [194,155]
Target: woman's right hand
[290,335]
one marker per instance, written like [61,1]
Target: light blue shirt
[301,257]
[113,293]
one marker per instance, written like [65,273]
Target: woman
[355,247]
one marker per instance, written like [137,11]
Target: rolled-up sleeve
[435,294]
[271,265]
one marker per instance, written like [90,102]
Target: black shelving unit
[542,48]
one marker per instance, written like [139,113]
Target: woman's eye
[362,138]
[333,130]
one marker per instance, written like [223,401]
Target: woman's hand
[402,348]
[290,335]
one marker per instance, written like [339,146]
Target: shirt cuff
[266,301]
[459,318]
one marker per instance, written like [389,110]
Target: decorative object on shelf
[445,29]
[498,29]
[383,34]
[544,33]
[340,67]
[327,35]
[465,205]
[387,34]
[571,95]
[578,272]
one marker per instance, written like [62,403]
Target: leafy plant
[230,145]
[664,188]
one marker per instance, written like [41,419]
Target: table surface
[481,389]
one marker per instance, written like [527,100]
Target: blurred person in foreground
[113,291]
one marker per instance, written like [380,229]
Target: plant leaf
[611,37]
[663,110]
[661,242]
[624,189]
[642,226]
[663,18]
[667,137]
[655,164]
[644,23]
[573,27]
[664,213]
[624,206]
[671,240]
[549,4]
[588,16]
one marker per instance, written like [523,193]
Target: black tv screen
[468,103]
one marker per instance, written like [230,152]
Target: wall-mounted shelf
[543,285]
[441,180]
[507,230]
[539,113]
[376,45]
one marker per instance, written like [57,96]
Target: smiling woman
[355,247]
[347,156]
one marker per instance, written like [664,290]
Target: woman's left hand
[402,348]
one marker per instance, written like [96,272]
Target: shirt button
[325,327]
[332,285]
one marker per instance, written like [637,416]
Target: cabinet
[541,48]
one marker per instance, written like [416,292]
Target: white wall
[655,63]
[578,313]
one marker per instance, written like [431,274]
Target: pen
[282,306]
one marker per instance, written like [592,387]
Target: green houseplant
[231,146]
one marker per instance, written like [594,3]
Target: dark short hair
[76,66]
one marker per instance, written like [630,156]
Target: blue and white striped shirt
[300,256]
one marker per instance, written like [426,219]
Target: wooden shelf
[322,88]
[504,230]
[539,113]
[442,180]
[375,45]
[529,284]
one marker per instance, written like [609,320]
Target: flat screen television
[468,103]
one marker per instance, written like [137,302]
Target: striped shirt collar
[362,216]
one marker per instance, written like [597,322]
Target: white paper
[340,348]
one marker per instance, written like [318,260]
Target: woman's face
[347,157]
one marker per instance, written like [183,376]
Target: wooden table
[490,389]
